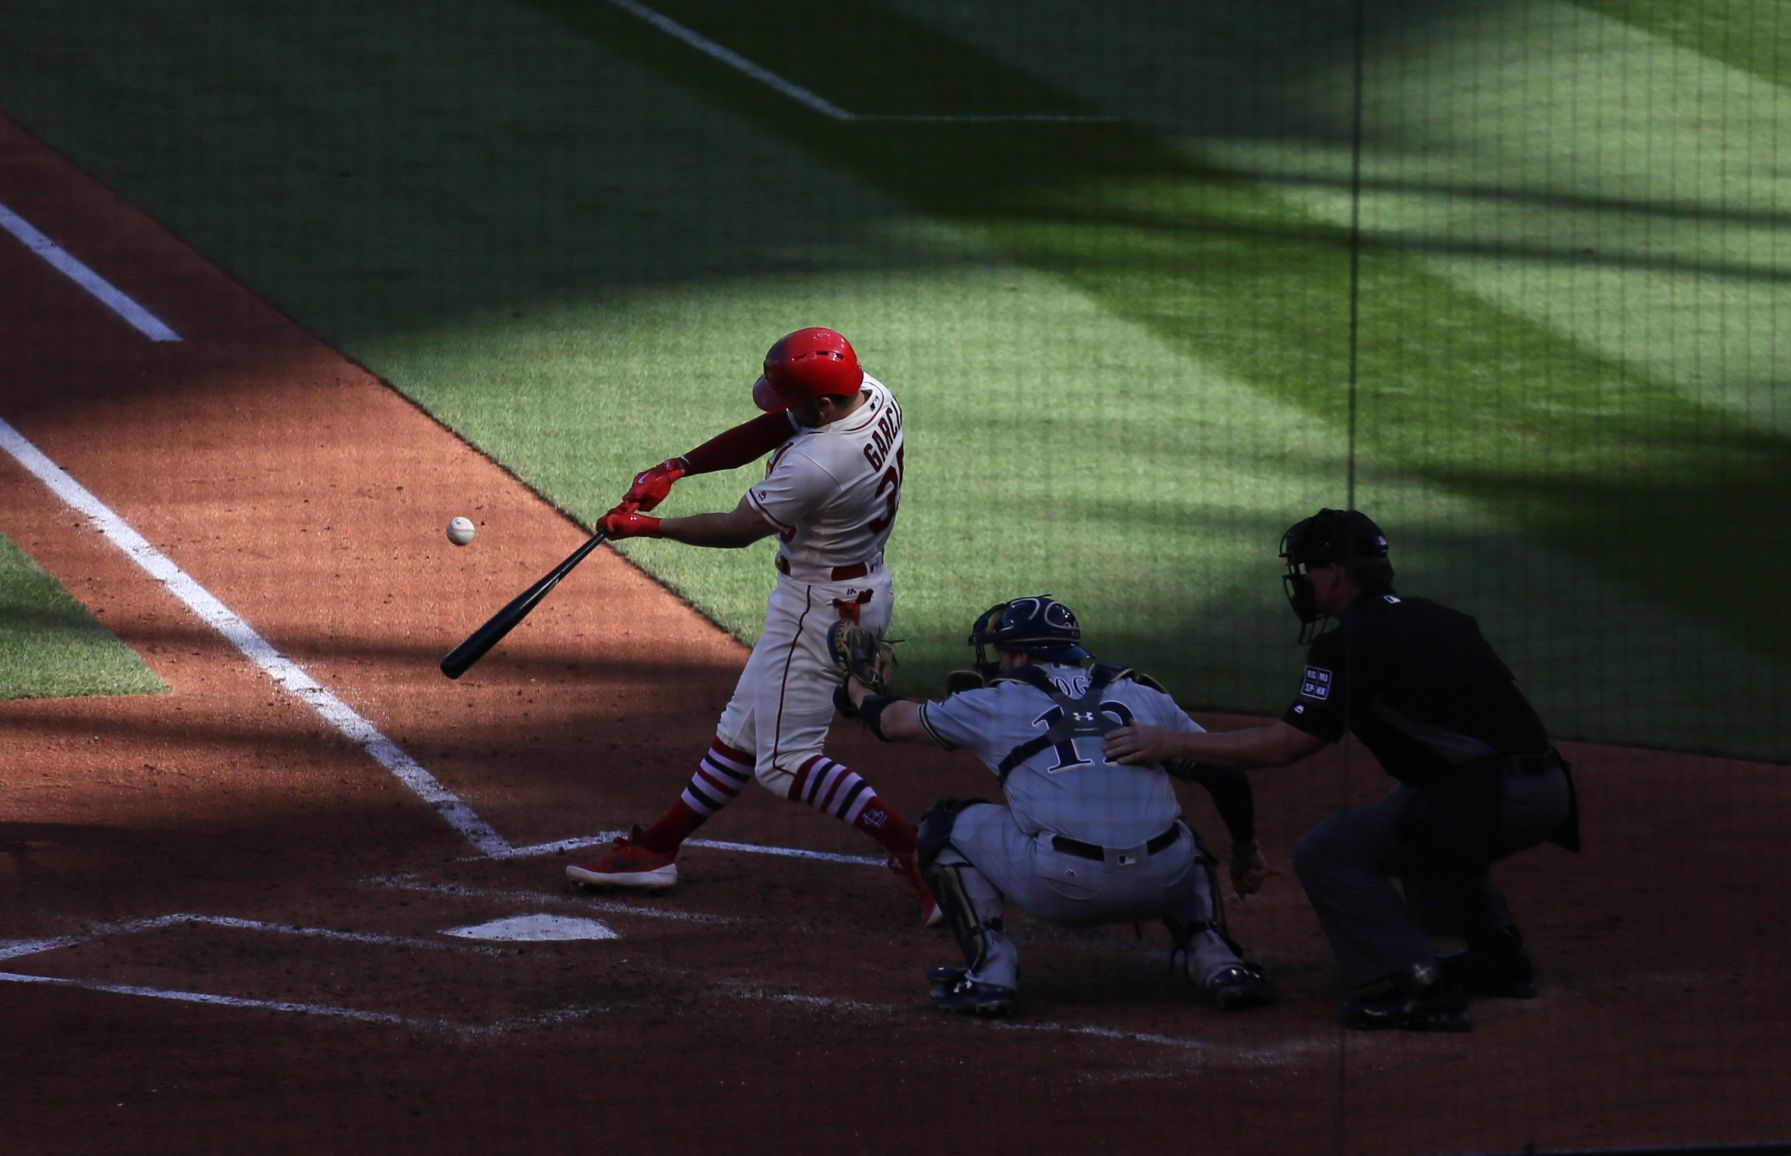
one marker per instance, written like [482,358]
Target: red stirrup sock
[718,780]
[835,789]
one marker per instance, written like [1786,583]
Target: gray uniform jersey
[1068,788]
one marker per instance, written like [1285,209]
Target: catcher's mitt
[862,655]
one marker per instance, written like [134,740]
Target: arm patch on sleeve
[1315,684]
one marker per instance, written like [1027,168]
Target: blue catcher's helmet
[1037,624]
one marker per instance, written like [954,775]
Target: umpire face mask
[1296,584]
[1300,596]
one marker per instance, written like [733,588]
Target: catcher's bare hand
[859,654]
[1248,869]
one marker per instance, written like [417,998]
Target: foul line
[141,319]
[821,104]
[286,673]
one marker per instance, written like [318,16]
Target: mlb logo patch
[1316,683]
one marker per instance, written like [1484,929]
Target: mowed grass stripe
[1754,35]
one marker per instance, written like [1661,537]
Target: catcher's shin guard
[947,886]
[1188,922]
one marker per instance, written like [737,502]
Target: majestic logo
[1316,683]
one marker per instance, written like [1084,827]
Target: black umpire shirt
[1418,684]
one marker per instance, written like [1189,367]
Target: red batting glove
[624,522]
[651,486]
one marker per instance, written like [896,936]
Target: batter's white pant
[783,703]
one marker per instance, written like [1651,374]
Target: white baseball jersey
[832,493]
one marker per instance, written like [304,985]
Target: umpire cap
[1332,536]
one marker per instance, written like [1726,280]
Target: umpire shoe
[628,864]
[1418,999]
[1242,985]
[1496,972]
[953,990]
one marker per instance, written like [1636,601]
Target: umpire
[1478,780]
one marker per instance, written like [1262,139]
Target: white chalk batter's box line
[560,846]
[1195,1048]
[583,905]
[21,948]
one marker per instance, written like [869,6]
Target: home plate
[537,928]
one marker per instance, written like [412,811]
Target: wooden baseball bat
[462,657]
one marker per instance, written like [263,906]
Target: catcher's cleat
[1243,985]
[1419,999]
[953,991]
[628,864]
[1496,970]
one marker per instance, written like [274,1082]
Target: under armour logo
[1082,715]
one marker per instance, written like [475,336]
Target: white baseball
[460,531]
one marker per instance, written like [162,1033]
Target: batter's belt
[837,574]
[1081,850]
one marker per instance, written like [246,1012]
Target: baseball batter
[830,494]
[1081,841]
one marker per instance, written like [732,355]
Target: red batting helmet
[804,365]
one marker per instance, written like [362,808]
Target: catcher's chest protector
[1075,718]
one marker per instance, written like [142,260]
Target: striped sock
[718,780]
[835,789]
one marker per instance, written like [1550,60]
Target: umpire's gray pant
[1347,864]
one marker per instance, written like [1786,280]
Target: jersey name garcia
[832,493]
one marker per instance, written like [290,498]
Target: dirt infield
[222,919]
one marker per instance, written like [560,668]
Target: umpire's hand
[1142,744]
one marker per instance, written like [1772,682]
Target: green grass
[1124,350]
[51,647]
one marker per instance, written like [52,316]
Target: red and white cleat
[628,864]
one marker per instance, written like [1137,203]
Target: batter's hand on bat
[1141,744]
[626,522]
[652,485]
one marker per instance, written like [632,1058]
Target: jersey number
[1067,755]
[891,481]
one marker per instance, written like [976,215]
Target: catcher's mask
[804,365]
[1037,624]
[1327,537]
